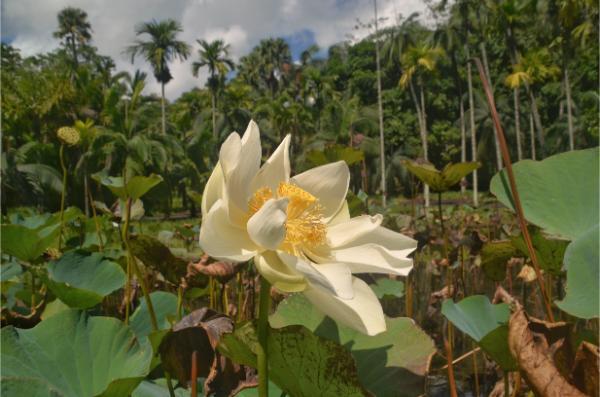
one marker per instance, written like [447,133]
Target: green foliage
[581,264]
[494,256]
[300,362]
[73,354]
[386,288]
[392,363]
[440,181]
[560,194]
[27,244]
[334,153]
[165,308]
[82,279]
[156,255]
[135,188]
[487,324]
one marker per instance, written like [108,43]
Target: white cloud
[241,23]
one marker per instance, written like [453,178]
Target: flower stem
[61,155]
[514,192]
[263,334]
[96,224]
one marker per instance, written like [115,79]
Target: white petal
[362,313]
[368,247]
[384,237]
[280,275]
[267,227]
[221,240]
[230,153]
[276,169]
[213,190]
[342,215]
[341,234]
[333,277]
[240,172]
[328,183]
[373,258]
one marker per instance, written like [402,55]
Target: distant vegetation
[541,59]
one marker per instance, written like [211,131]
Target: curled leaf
[201,331]
[533,344]
[221,270]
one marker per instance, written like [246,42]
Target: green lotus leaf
[301,363]
[135,187]
[27,244]
[485,323]
[82,279]
[386,288]
[441,181]
[392,363]
[72,354]
[559,193]
[583,275]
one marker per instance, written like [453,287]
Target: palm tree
[161,48]
[482,13]
[464,7]
[214,55]
[417,61]
[75,29]
[380,110]
[576,20]
[532,68]
[451,37]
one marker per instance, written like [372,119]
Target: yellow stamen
[304,226]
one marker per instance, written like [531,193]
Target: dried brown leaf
[223,271]
[534,343]
[201,331]
[586,369]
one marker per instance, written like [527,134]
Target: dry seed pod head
[68,135]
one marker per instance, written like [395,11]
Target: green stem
[96,223]
[441,214]
[140,277]
[240,297]
[125,237]
[132,264]
[61,155]
[179,302]
[263,334]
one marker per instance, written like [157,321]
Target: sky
[28,25]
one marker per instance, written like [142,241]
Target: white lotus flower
[298,230]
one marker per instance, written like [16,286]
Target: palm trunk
[214,116]
[162,107]
[380,109]
[532,135]
[463,142]
[537,120]
[421,119]
[489,80]
[472,125]
[424,142]
[569,111]
[517,124]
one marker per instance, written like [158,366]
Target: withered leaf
[533,344]
[586,369]
[223,271]
[201,331]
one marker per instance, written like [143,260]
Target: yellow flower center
[304,226]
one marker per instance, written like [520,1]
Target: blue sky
[28,25]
